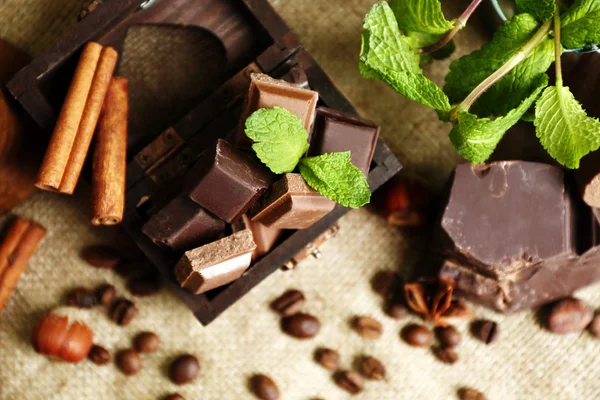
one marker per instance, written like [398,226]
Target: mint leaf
[335,177]
[279,137]
[420,16]
[476,138]
[581,24]
[563,127]
[470,70]
[420,39]
[388,55]
[542,10]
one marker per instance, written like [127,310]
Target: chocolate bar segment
[182,225]
[336,131]
[291,204]
[265,238]
[215,264]
[266,92]
[226,182]
[512,234]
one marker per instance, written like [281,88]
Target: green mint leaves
[581,24]
[280,141]
[335,177]
[388,55]
[542,10]
[563,127]
[279,137]
[424,16]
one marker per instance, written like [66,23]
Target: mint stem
[508,66]
[459,23]
[557,46]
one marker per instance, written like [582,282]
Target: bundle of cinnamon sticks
[96,103]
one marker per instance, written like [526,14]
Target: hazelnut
[405,202]
[56,335]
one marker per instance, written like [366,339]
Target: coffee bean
[146,342]
[594,327]
[99,355]
[184,369]
[144,285]
[301,326]
[123,311]
[569,315]
[396,311]
[289,303]
[448,336]
[264,388]
[100,256]
[129,362]
[447,355]
[417,335]
[367,327]
[470,394]
[388,284]
[174,396]
[485,330]
[328,358]
[135,269]
[106,294]
[350,381]
[81,297]
[371,368]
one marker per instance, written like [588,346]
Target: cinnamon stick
[108,178]
[15,250]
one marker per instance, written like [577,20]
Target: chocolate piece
[336,131]
[215,264]
[291,204]
[511,235]
[266,92]
[264,237]
[226,182]
[183,225]
[297,76]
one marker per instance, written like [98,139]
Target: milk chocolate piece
[182,225]
[215,264]
[291,204]
[266,92]
[264,237]
[336,131]
[226,182]
[511,236]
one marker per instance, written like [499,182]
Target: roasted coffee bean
[371,368]
[129,362]
[184,369]
[289,303]
[396,311]
[81,297]
[328,358]
[100,256]
[146,342]
[144,285]
[350,381]
[264,388]
[594,327]
[388,284]
[569,315]
[106,294]
[470,394]
[301,326]
[367,327]
[448,336]
[447,355]
[99,355]
[485,330]
[417,335]
[174,396]
[135,269]
[123,311]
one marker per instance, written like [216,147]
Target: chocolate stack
[232,210]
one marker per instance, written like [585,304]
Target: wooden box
[252,37]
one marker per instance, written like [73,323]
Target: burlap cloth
[527,363]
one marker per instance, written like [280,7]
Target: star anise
[434,303]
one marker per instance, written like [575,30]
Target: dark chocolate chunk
[265,237]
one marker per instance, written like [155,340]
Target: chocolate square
[265,237]
[226,182]
[291,204]
[337,131]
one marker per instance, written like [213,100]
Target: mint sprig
[542,10]
[581,24]
[424,16]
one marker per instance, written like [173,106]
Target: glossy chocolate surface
[265,238]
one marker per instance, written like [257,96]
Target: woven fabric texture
[526,363]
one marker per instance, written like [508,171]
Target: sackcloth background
[526,363]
